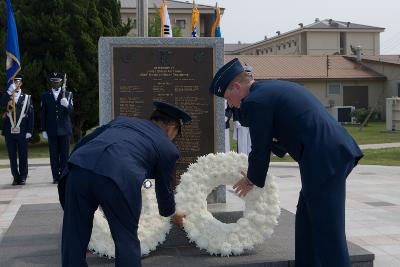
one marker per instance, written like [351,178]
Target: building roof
[336,24]
[390,59]
[325,25]
[172,4]
[305,67]
[232,47]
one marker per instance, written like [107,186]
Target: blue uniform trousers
[84,192]
[18,144]
[59,152]
[320,225]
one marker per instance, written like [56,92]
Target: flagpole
[142,14]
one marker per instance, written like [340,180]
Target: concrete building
[323,37]
[180,14]
[387,65]
[336,80]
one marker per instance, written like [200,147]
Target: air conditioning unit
[342,113]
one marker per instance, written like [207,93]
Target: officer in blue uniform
[289,114]
[17,131]
[108,168]
[56,108]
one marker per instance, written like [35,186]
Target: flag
[216,31]
[13,65]
[195,19]
[166,29]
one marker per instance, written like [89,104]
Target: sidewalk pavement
[377,146]
[372,208]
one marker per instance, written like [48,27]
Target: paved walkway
[377,146]
[373,203]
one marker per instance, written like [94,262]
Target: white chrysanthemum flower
[260,215]
[152,230]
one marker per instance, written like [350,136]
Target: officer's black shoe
[22,182]
[55,181]
[15,182]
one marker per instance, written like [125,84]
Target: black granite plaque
[179,75]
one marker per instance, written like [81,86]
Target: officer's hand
[11,89]
[243,186]
[236,124]
[177,219]
[28,135]
[64,102]
[45,135]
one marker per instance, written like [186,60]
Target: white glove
[28,135]
[236,124]
[11,89]
[45,135]
[64,102]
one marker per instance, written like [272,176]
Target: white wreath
[152,230]
[259,217]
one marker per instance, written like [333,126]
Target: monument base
[33,239]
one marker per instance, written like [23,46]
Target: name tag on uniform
[15,130]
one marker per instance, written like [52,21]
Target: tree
[62,36]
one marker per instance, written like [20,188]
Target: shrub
[361,113]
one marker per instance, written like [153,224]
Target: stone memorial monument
[134,72]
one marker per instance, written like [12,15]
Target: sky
[250,21]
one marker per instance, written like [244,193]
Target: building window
[134,24]
[334,89]
[279,47]
[290,44]
[181,23]
[295,43]
[284,46]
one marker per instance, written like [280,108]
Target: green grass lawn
[383,156]
[373,133]
[40,150]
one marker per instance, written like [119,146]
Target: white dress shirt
[56,92]
[17,94]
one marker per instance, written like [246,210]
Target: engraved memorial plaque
[178,75]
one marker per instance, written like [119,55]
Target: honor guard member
[17,128]
[108,168]
[56,108]
[325,152]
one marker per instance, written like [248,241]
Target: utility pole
[142,14]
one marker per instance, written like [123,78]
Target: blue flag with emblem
[13,65]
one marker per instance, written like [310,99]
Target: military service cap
[173,111]
[224,76]
[18,78]
[55,77]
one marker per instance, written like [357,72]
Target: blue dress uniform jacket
[288,112]
[17,144]
[55,118]
[27,122]
[108,168]
[129,150]
[326,154]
